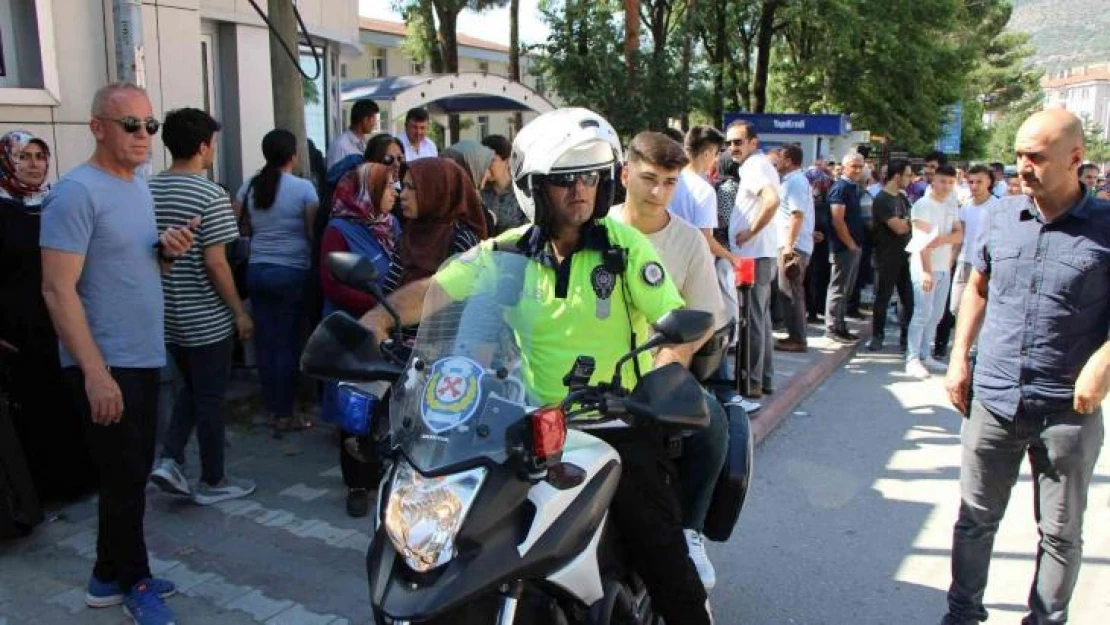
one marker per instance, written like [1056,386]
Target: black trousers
[648,515]
[205,372]
[123,454]
[944,328]
[817,278]
[893,274]
[48,426]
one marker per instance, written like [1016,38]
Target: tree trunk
[448,36]
[288,90]
[687,52]
[764,38]
[631,36]
[435,52]
[514,58]
[719,61]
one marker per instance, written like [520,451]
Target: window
[377,63]
[483,67]
[28,68]
[342,70]
[417,68]
[541,84]
[483,127]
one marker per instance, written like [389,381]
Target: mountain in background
[1065,33]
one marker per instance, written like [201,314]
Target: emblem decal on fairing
[451,393]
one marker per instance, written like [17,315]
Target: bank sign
[794,123]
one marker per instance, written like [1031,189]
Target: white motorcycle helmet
[567,140]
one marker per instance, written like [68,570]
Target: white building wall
[84,49]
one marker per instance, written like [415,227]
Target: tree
[441,45]
[1094,138]
[514,56]
[1003,131]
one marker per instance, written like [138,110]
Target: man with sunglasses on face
[597,283]
[102,256]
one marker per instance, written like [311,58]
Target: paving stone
[72,600]
[298,615]
[259,606]
[218,591]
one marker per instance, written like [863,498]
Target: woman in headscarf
[361,222]
[475,159]
[45,420]
[442,218]
[725,177]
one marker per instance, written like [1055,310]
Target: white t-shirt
[795,196]
[1000,189]
[972,215]
[345,145]
[941,217]
[426,149]
[695,201]
[686,257]
[756,173]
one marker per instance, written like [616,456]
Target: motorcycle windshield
[463,397]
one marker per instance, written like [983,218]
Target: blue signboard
[951,127]
[794,123]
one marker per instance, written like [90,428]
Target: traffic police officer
[594,287]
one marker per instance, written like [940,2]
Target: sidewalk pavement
[287,555]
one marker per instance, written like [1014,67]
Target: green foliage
[311,91]
[1003,131]
[596,76]
[1098,148]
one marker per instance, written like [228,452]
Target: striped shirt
[195,313]
[463,241]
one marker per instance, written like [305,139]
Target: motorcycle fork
[510,597]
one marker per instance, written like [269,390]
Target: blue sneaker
[107,594]
[145,607]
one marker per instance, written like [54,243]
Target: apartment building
[1084,91]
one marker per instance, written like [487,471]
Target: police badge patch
[451,395]
[653,274]
[603,282]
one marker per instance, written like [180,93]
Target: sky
[492,25]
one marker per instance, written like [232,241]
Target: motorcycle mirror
[683,325]
[353,270]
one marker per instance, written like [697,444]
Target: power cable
[304,29]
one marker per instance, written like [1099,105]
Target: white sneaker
[168,476]
[916,369]
[749,406]
[695,545]
[936,366]
[709,611]
[228,488]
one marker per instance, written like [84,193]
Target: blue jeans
[277,296]
[703,456]
[928,308]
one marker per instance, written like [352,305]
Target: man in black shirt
[891,229]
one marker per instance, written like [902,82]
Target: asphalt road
[851,511]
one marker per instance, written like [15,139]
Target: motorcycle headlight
[423,515]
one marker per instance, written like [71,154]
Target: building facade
[208,54]
[384,56]
[1084,91]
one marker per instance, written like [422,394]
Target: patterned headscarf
[11,145]
[357,196]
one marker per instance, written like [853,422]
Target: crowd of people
[121,272]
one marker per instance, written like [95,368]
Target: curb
[779,406]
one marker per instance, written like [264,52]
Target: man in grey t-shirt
[101,255]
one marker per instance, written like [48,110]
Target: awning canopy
[447,93]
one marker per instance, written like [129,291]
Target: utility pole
[130,55]
[288,89]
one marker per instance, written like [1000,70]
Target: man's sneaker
[749,406]
[167,475]
[841,336]
[228,488]
[695,545]
[875,345]
[788,345]
[145,607]
[916,369]
[936,366]
[107,594]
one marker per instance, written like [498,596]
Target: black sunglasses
[588,178]
[131,125]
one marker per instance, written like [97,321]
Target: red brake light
[549,431]
[745,272]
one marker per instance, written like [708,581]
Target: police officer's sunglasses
[131,125]
[588,178]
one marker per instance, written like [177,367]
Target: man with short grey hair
[845,249]
[101,260]
[1040,290]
